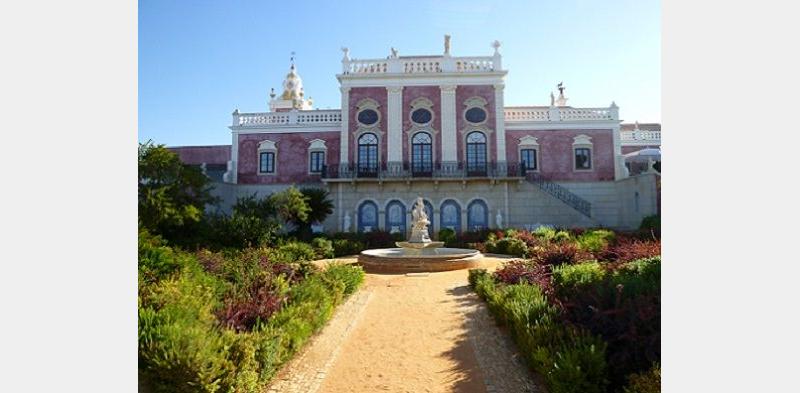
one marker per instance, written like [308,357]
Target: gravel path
[410,333]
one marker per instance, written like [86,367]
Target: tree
[321,207]
[291,205]
[171,194]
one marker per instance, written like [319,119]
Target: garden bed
[218,322]
[584,308]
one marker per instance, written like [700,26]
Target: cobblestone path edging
[306,371]
[503,367]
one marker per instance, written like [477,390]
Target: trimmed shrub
[351,276]
[569,277]
[346,247]
[521,271]
[323,248]
[569,359]
[558,254]
[595,241]
[296,252]
[448,236]
[507,246]
[651,222]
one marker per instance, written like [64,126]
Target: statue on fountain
[419,229]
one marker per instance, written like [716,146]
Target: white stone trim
[410,138]
[316,145]
[358,135]
[368,103]
[449,141]
[394,124]
[499,115]
[439,78]
[267,146]
[421,103]
[584,142]
[529,142]
[344,129]
[475,102]
[561,125]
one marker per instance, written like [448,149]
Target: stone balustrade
[546,114]
[641,136]
[313,117]
[421,65]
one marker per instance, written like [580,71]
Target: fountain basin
[406,260]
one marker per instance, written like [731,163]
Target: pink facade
[196,155]
[292,160]
[379,94]
[463,93]
[432,93]
[556,157]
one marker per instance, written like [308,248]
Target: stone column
[344,140]
[500,128]
[449,139]
[394,123]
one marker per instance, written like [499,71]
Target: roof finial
[496,46]
[562,101]
[291,59]
[447,44]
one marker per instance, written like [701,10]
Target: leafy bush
[595,241]
[346,247]
[521,271]
[507,246]
[569,359]
[214,322]
[558,254]
[651,222]
[296,252]
[646,382]
[568,277]
[351,276]
[448,236]
[632,249]
[323,248]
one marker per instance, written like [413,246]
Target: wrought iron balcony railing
[560,192]
[408,170]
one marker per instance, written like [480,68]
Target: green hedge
[184,348]
[569,359]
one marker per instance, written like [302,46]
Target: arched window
[422,154]
[450,215]
[476,153]
[368,154]
[477,215]
[396,217]
[367,217]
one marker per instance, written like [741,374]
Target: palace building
[436,126]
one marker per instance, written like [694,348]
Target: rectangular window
[583,158]
[266,162]
[528,158]
[317,161]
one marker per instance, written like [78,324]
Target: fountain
[419,253]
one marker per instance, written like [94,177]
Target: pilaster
[344,140]
[394,123]
[500,126]
[448,116]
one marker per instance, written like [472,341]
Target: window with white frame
[582,148]
[529,153]
[267,152]
[316,156]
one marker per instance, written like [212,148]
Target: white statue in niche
[498,219]
[346,224]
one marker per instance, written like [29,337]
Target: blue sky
[200,60]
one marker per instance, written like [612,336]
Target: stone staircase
[561,193]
